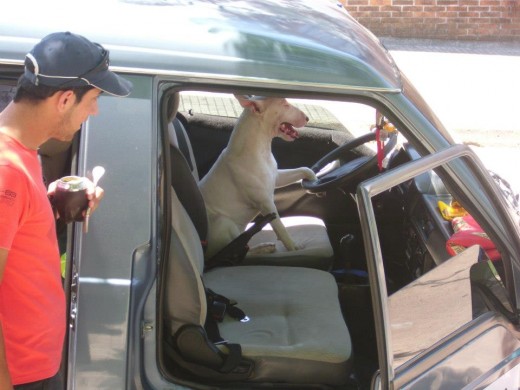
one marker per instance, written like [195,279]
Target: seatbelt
[234,252]
[218,306]
[199,345]
[181,139]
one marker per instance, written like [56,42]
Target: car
[417,282]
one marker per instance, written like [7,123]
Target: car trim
[237,80]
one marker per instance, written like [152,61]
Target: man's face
[76,114]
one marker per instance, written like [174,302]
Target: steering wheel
[347,176]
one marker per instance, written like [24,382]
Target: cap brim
[111,83]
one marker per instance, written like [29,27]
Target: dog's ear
[246,102]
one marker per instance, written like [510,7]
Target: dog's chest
[267,167]
[257,172]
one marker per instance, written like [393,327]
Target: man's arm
[5,378]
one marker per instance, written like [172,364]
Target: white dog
[242,181]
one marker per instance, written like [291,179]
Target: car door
[457,325]
[107,272]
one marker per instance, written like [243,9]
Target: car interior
[288,319]
[305,318]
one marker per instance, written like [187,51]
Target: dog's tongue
[288,129]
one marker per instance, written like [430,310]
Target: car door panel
[453,359]
[102,259]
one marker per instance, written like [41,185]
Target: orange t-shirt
[32,301]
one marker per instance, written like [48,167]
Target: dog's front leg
[283,234]
[285,177]
[268,207]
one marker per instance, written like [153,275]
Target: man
[64,75]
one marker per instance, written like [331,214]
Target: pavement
[473,87]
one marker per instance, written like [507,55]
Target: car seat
[309,233]
[294,332]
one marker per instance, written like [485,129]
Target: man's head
[64,75]
[65,61]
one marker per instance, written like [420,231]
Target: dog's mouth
[289,130]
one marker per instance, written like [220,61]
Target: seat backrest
[179,138]
[187,190]
[185,298]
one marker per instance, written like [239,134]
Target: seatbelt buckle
[218,310]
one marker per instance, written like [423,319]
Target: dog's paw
[292,246]
[309,174]
[262,249]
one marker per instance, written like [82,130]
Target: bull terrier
[241,183]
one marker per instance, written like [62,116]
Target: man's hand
[94,194]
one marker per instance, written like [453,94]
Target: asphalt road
[474,88]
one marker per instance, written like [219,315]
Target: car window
[356,118]
[210,117]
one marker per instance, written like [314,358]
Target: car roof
[290,41]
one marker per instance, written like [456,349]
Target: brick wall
[439,19]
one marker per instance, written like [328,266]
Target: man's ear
[65,99]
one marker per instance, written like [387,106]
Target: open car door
[456,326]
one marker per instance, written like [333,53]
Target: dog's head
[275,115]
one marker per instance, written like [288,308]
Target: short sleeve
[13,195]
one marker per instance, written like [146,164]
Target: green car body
[305,49]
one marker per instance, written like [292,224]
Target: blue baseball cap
[64,60]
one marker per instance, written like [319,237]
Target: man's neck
[26,123]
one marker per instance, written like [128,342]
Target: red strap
[380,148]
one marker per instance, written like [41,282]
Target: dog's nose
[306,118]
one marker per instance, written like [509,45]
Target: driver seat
[293,334]
[309,233]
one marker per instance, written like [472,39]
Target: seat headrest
[179,138]
[172,106]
